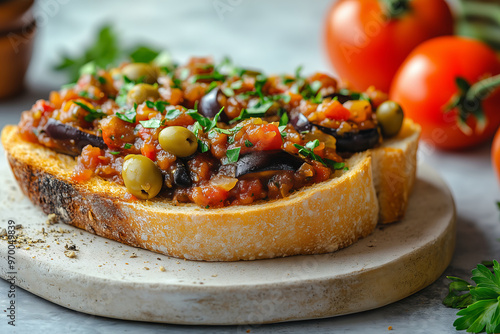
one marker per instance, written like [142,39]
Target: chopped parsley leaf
[127,146]
[308,152]
[284,118]
[152,123]
[259,110]
[233,155]
[93,113]
[129,115]
[248,143]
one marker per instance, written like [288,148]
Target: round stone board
[91,274]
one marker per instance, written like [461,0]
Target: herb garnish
[127,146]
[480,304]
[152,123]
[232,155]
[308,152]
[93,113]
[259,110]
[204,124]
[129,115]
[248,143]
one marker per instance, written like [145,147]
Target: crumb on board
[146,268]
[51,219]
[389,328]
[133,255]
[70,254]
[162,268]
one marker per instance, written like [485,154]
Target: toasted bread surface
[317,219]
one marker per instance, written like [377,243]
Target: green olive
[141,72]
[142,92]
[141,176]
[390,118]
[178,140]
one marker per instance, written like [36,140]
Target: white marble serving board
[109,279]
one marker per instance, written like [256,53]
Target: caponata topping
[141,176]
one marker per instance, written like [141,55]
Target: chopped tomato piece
[149,151]
[335,110]
[265,137]
[209,196]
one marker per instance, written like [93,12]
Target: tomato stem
[482,89]
[394,9]
[469,102]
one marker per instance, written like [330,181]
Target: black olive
[69,139]
[209,105]
[181,175]
[264,161]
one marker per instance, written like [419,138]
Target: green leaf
[152,123]
[336,165]
[484,278]
[484,311]
[228,91]
[478,316]
[259,110]
[172,114]
[233,154]
[212,85]
[284,119]
[205,122]
[129,115]
[248,143]
[127,146]
[93,113]
[143,54]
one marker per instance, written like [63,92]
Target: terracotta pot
[17,31]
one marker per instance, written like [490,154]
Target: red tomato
[426,83]
[366,47]
[495,154]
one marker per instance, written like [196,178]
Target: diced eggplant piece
[340,97]
[265,161]
[181,175]
[354,141]
[300,122]
[69,139]
[209,105]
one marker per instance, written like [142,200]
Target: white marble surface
[275,36]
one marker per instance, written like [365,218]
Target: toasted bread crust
[318,219]
[394,170]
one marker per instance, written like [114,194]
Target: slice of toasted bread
[318,219]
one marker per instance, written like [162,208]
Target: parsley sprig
[203,124]
[480,304]
[106,50]
[92,113]
[308,152]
